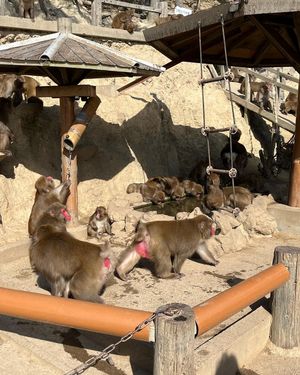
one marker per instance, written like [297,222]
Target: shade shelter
[258,34]
[67,59]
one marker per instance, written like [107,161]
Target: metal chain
[104,354]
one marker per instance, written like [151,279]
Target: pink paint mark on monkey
[107,263]
[142,249]
[213,230]
[49,178]
[66,214]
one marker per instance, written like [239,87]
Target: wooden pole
[2,7]
[69,166]
[294,193]
[152,15]
[96,12]
[174,342]
[285,328]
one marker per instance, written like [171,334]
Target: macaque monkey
[290,104]
[178,192]
[239,154]
[12,86]
[214,198]
[134,188]
[162,241]
[243,197]
[69,265]
[172,17]
[6,139]
[30,85]
[262,90]
[26,8]
[217,198]
[124,21]
[99,223]
[193,189]
[45,195]
[151,192]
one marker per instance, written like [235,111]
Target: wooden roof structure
[258,34]
[68,59]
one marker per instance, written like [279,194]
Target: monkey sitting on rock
[162,241]
[124,20]
[99,223]
[70,266]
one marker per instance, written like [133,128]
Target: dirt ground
[47,349]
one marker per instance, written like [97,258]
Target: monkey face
[101,213]
[65,214]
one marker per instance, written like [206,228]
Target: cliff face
[151,129]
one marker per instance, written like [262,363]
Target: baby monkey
[99,223]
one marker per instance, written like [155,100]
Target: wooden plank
[131,5]
[65,91]
[283,123]
[284,75]
[276,39]
[267,7]
[26,25]
[270,80]
[294,189]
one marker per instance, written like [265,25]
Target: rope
[233,129]
[202,94]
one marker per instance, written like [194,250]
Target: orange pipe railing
[110,320]
[225,304]
[119,321]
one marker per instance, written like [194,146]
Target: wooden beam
[65,91]
[26,25]
[276,39]
[69,165]
[283,123]
[294,191]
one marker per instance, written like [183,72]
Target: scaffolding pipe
[225,304]
[81,121]
[106,319]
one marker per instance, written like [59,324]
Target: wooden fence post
[285,328]
[152,15]
[2,7]
[174,342]
[96,11]
[164,9]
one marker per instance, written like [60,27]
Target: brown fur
[30,85]
[290,104]
[134,188]
[26,8]
[193,189]
[68,264]
[98,223]
[151,192]
[262,90]
[12,86]
[168,239]
[123,20]
[218,198]
[6,138]
[46,194]
[172,17]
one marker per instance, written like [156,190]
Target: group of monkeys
[13,88]
[80,269]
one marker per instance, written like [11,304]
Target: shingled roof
[67,59]
[258,33]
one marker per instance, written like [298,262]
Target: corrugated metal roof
[61,55]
